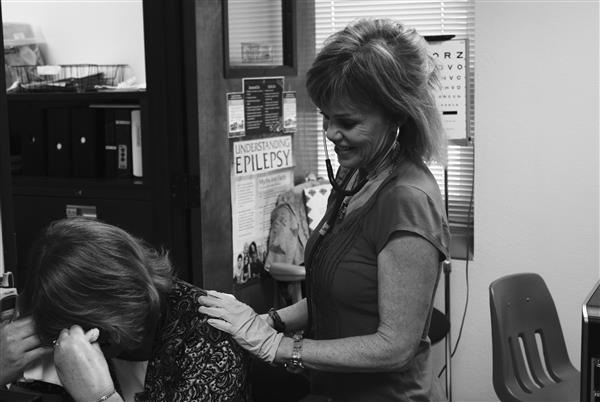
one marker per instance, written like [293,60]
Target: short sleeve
[410,209]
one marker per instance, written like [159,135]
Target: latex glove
[19,346]
[81,365]
[265,317]
[245,326]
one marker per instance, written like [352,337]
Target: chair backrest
[529,352]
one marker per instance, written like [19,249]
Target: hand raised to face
[81,365]
[19,346]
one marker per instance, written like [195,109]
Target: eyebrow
[340,115]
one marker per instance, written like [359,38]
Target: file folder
[59,142]
[110,144]
[26,127]
[84,145]
[136,143]
[123,140]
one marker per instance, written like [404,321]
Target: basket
[113,73]
[68,77]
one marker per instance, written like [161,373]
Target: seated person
[123,327]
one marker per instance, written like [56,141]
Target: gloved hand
[245,326]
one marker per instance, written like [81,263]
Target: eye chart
[451,99]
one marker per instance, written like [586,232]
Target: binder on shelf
[84,144]
[136,143]
[26,127]
[110,144]
[59,142]
[123,141]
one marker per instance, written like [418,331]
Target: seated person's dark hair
[89,273]
[76,263]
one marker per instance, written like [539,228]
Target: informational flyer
[253,199]
[289,112]
[451,99]
[235,114]
[263,105]
[262,155]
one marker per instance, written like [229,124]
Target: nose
[333,134]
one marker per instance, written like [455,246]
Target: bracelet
[105,397]
[294,364]
[278,323]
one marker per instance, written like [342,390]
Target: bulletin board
[261,123]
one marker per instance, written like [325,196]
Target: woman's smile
[358,135]
[341,149]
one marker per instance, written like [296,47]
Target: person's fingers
[212,311]
[92,335]
[36,353]
[220,295]
[220,324]
[97,348]
[23,324]
[210,301]
[30,343]
[76,330]
[63,334]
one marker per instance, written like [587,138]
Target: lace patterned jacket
[193,361]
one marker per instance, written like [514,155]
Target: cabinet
[38,127]
[185,191]
[62,164]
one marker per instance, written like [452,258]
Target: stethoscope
[341,188]
[341,193]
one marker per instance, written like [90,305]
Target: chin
[349,163]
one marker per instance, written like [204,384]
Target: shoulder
[413,181]
[192,357]
[182,319]
[183,296]
[411,202]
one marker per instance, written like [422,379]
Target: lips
[342,149]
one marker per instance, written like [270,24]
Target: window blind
[255,31]
[428,17]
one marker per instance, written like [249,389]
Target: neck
[144,350]
[381,164]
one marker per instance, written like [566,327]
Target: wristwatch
[278,323]
[294,365]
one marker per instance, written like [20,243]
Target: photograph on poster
[289,112]
[253,199]
[235,114]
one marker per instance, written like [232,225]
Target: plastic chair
[530,360]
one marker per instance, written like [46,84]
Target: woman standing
[373,263]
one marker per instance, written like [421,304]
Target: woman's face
[357,134]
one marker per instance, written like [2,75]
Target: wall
[85,31]
[536,158]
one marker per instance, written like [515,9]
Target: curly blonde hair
[378,64]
